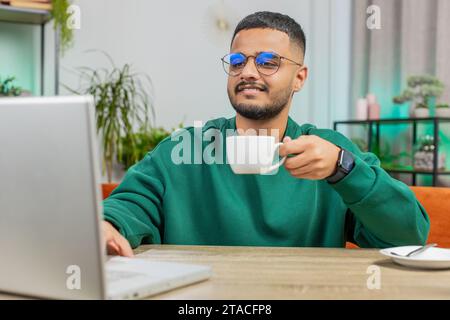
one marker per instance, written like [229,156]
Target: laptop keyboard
[113,275]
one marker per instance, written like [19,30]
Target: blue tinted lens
[236,59]
[267,60]
[265,57]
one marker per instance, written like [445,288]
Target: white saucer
[432,258]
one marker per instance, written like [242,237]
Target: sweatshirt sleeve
[135,206]
[386,212]
[383,212]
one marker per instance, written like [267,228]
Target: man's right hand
[116,244]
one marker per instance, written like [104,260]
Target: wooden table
[298,273]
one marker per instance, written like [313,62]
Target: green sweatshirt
[160,201]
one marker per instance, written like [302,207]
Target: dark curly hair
[276,21]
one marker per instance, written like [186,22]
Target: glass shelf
[413,171]
[373,142]
[394,120]
[38,17]
[23,15]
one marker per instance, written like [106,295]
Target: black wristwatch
[345,164]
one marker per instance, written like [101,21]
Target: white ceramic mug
[253,154]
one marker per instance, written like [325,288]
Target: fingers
[124,246]
[296,146]
[315,170]
[112,248]
[298,161]
[305,172]
[119,247]
[116,244]
[311,157]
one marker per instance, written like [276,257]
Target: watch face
[348,161]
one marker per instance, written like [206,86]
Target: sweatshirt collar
[293,130]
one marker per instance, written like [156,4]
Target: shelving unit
[375,124]
[34,17]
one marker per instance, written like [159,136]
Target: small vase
[373,107]
[421,112]
[411,109]
[361,109]
[423,160]
[443,112]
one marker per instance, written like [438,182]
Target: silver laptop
[50,209]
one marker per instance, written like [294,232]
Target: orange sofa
[436,202]
[107,188]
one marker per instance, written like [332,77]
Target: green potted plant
[61,15]
[361,144]
[419,91]
[122,103]
[390,159]
[146,139]
[9,89]
[443,111]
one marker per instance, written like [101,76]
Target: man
[328,191]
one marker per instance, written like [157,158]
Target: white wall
[157,37]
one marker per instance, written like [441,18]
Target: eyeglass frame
[254,61]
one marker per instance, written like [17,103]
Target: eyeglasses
[267,63]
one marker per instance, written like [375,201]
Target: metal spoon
[416,251]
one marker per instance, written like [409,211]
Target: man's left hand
[314,158]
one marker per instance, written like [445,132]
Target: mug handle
[279,163]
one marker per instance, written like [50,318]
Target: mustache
[240,86]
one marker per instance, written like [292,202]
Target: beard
[268,111]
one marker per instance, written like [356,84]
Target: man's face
[257,96]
